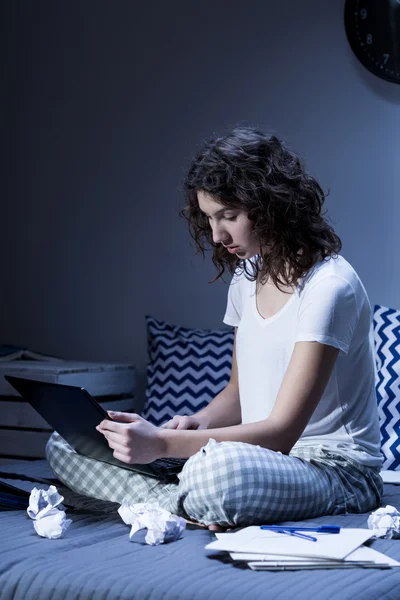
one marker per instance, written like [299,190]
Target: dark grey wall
[105,104]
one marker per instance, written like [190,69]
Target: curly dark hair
[258,173]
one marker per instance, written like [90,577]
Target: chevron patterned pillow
[386,326]
[186,368]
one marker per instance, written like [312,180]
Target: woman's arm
[221,411]
[135,440]
[224,409]
[305,380]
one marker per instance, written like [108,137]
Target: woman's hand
[185,422]
[133,439]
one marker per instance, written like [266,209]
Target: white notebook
[254,540]
[363,554]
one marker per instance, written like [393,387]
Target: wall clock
[373,30]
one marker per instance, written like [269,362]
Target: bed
[96,560]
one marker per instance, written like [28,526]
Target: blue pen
[296,534]
[320,529]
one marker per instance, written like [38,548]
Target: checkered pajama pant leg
[231,484]
[101,480]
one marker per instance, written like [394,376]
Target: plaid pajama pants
[232,483]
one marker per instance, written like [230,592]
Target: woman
[295,433]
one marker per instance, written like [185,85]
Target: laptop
[74,414]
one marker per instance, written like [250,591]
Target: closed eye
[226,218]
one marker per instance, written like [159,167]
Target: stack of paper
[270,550]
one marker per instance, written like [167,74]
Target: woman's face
[230,227]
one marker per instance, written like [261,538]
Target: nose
[220,236]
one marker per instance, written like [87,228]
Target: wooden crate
[23,432]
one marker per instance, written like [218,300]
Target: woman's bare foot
[219,528]
[212,527]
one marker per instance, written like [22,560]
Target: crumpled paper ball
[48,520]
[41,502]
[385,522]
[53,526]
[161,525]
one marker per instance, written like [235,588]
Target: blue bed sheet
[97,561]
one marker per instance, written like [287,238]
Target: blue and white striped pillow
[187,368]
[387,352]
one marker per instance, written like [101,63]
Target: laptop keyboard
[169,463]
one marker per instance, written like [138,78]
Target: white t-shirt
[330,306]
